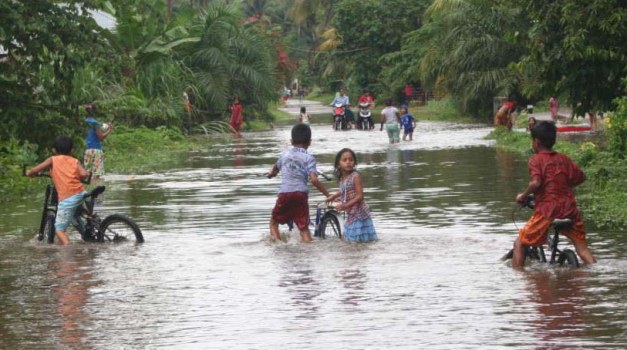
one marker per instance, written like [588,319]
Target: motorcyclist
[367,101]
[342,99]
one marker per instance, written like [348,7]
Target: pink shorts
[292,206]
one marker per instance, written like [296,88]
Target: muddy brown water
[207,277]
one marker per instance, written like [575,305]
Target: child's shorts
[292,206]
[94,161]
[407,131]
[535,231]
[66,210]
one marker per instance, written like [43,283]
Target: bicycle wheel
[569,257]
[48,230]
[119,228]
[330,227]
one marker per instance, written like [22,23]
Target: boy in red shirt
[553,176]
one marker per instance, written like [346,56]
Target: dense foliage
[602,196]
[576,50]
[38,62]
[136,73]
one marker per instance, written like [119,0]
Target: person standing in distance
[97,132]
[297,168]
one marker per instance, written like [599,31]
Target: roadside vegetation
[466,53]
[603,196]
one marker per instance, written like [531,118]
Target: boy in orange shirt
[66,173]
[553,176]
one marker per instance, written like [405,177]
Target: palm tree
[465,47]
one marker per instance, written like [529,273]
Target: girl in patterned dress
[358,226]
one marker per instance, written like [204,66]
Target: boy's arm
[533,185]
[313,177]
[39,167]
[273,172]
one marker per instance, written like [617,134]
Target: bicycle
[113,228]
[561,257]
[328,222]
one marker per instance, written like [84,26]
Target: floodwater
[207,276]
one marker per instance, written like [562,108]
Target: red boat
[574,128]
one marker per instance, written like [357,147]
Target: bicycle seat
[562,224]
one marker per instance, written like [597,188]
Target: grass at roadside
[603,196]
[126,151]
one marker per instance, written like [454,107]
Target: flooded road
[208,277]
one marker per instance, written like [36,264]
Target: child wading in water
[304,117]
[66,172]
[358,226]
[297,168]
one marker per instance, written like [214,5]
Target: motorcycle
[365,117]
[339,117]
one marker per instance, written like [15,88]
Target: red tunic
[236,116]
[557,175]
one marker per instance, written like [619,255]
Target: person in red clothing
[409,92]
[553,176]
[237,116]
[504,114]
[366,98]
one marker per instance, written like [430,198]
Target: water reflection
[354,282]
[72,273]
[392,170]
[561,302]
[298,279]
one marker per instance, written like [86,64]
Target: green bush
[13,157]
[617,128]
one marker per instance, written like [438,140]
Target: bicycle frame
[83,217]
[322,209]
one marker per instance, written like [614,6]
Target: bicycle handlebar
[325,176]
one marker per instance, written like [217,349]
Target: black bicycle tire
[118,218]
[48,230]
[330,218]
[569,257]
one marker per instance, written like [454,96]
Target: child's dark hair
[63,145]
[336,166]
[545,131]
[303,109]
[301,134]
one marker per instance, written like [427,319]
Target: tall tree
[576,49]
[42,46]
[464,48]
[369,29]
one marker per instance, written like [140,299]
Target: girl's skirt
[360,231]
